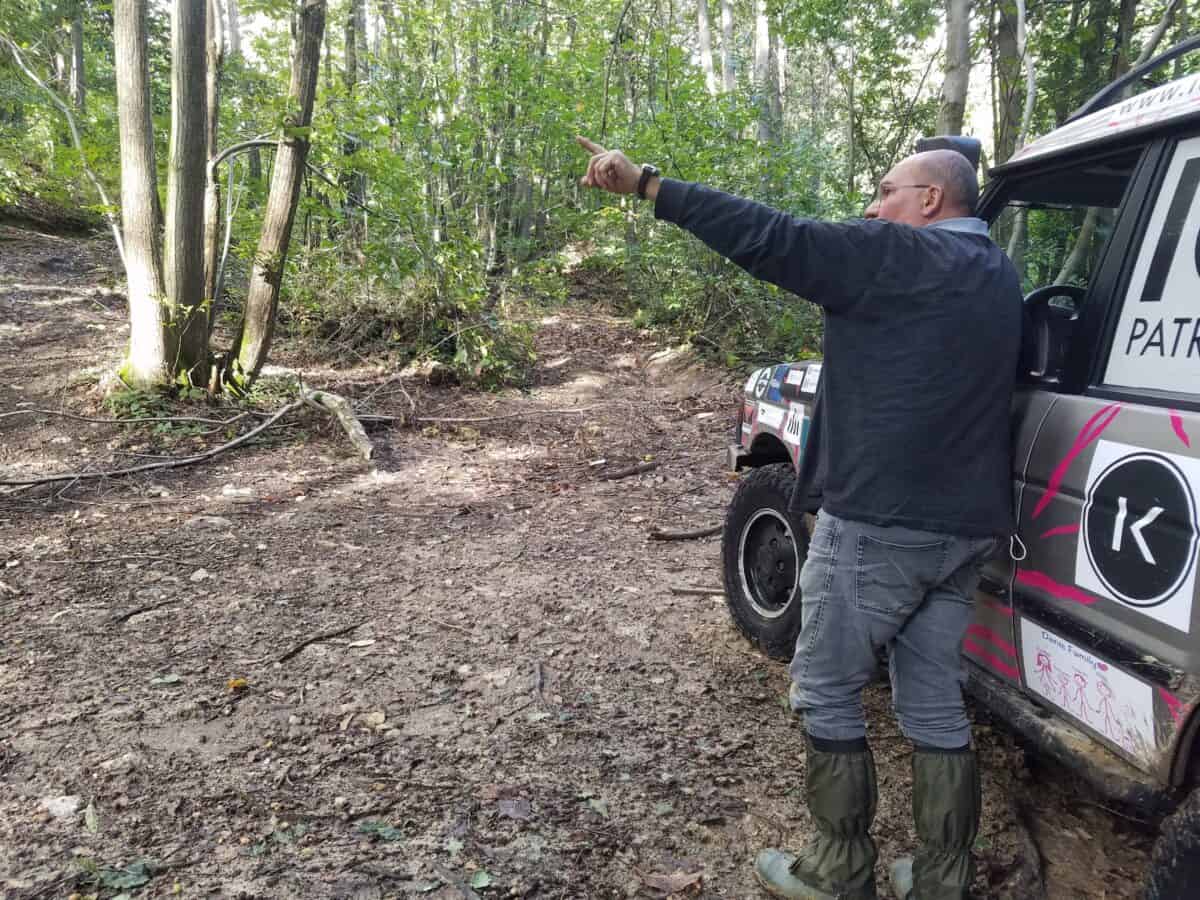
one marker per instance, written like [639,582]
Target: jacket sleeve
[833,264]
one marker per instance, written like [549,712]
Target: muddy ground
[463,670]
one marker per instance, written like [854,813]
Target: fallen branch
[167,464]
[72,416]
[150,607]
[631,470]
[472,421]
[346,754]
[697,592]
[317,638]
[656,535]
[334,404]
[339,406]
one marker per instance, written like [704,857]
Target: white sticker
[1172,100]
[1138,531]
[812,376]
[747,428]
[770,416]
[1157,344]
[795,376]
[749,386]
[793,426]
[1101,696]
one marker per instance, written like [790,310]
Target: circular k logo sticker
[1139,528]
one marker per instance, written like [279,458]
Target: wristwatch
[648,171]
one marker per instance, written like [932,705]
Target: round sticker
[1139,528]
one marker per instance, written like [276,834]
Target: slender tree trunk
[1007,82]
[704,34]
[78,75]
[958,67]
[762,70]
[212,192]
[235,29]
[727,70]
[183,256]
[141,217]
[353,181]
[262,298]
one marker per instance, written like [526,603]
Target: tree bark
[183,257]
[141,217]
[212,185]
[727,66]
[704,35]
[958,67]
[78,75]
[1007,84]
[262,298]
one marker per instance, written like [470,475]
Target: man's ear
[935,198]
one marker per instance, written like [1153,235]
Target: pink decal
[991,659]
[997,606]
[1049,585]
[1091,430]
[1061,529]
[1177,424]
[982,631]
[1174,704]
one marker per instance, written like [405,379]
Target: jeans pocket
[891,578]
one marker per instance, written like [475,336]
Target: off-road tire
[761,589]
[1175,863]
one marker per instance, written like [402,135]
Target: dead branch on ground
[658,535]
[317,638]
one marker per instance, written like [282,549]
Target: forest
[389,179]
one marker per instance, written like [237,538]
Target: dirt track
[465,670]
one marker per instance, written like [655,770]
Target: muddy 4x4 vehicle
[1089,644]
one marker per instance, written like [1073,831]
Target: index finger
[589,146]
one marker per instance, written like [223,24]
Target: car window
[1055,225]
[1157,340]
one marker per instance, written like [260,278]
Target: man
[922,334]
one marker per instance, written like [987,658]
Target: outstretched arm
[828,263]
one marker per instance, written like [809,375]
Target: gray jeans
[865,587]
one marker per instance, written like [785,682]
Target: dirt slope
[465,672]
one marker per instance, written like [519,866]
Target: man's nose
[872,211]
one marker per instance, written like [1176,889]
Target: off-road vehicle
[1086,637]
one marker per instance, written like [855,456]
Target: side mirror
[969,147]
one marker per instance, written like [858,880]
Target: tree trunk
[1007,83]
[727,70]
[704,34]
[146,365]
[78,79]
[212,192]
[354,182]
[235,29]
[958,67]
[762,70]
[262,298]
[183,256]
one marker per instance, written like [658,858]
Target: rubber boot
[839,863]
[946,804]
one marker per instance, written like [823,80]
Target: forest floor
[462,670]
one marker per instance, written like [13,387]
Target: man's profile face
[906,196]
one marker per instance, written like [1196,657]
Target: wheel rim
[768,563]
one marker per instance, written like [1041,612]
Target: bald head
[953,173]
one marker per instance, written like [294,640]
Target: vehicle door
[1104,600]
